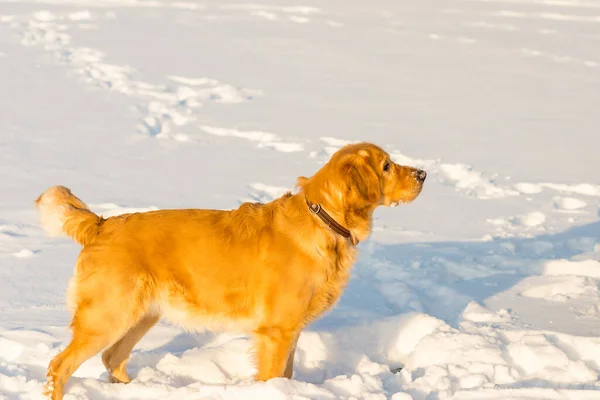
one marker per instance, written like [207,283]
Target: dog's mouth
[396,203]
[405,197]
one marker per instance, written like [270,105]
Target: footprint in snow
[261,193]
[568,204]
[585,189]
[505,226]
[25,253]
[262,138]
[532,219]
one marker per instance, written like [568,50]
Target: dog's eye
[386,166]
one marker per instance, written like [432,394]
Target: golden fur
[265,269]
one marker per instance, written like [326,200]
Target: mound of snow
[589,268]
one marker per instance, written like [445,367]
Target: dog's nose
[420,175]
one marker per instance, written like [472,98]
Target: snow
[486,287]
[589,268]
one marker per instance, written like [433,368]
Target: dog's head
[362,175]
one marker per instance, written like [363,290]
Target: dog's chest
[334,275]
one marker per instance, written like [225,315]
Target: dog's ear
[363,180]
[301,181]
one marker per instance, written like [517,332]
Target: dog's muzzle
[420,175]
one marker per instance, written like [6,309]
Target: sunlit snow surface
[486,287]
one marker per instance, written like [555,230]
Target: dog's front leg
[274,346]
[289,368]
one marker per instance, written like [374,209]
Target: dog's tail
[62,213]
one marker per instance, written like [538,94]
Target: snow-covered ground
[486,287]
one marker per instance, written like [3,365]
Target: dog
[263,269]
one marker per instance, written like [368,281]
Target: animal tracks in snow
[586,189]
[496,24]
[263,139]
[296,14]
[163,108]
[212,89]
[171,107]
[548,16]
[568,204]
[528,221]
[559,58]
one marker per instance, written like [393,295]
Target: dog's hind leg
[116,356]
[97,323]
[83,346]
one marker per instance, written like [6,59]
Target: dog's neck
[331,222]
[356,220]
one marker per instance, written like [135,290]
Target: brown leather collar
[337,228]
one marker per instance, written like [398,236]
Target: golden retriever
[264,269]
